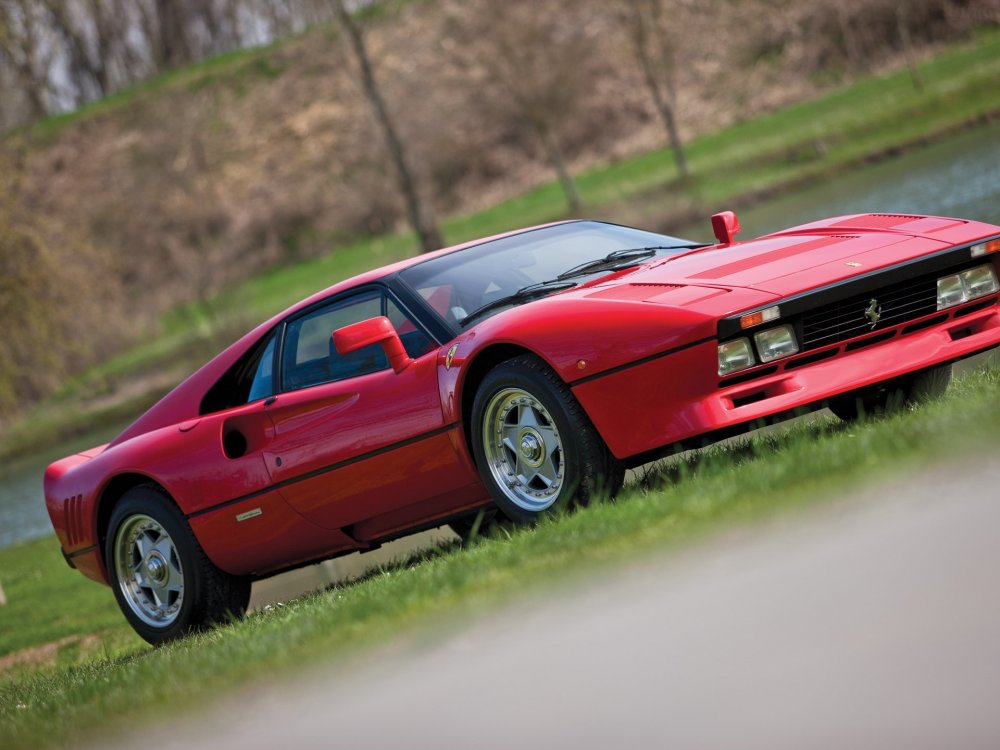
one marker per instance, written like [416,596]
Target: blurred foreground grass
[739,482]
[748,161]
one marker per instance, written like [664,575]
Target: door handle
[270,400]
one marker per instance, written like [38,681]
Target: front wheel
[535,447]
[892,396]
[162,580]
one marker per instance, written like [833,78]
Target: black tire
[892,396]
[162,580]
[550,427]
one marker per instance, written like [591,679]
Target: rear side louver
[74,519]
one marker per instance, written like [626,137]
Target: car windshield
[464,286]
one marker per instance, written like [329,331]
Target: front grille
[845,319]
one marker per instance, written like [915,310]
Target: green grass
[733,166]
[48,601]
[736,483]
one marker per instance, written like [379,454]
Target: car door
[352,438]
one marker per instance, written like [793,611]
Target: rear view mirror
[373,331]
[725,226]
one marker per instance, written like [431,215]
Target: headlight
[979,281]
[967,285]
[775,343]
[735,355]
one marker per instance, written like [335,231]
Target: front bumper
[674,398]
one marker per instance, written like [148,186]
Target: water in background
[957,177]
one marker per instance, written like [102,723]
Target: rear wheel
[892,396]
[534,445]
[162,580]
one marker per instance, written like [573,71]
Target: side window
[309,357]
[249,379]
[262,384]
[415,341]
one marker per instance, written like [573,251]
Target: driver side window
[309,357]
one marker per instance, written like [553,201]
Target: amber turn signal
[761,316]
[985,248]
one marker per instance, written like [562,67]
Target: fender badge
[249,514]
[450,356]
[853,264]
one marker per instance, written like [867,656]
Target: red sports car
[517,373]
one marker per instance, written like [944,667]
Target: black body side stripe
[326,469]
[644,360]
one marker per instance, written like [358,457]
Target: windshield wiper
[617,260]
[541,289]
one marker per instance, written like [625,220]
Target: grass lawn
[740,482]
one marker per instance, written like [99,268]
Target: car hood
[788,263]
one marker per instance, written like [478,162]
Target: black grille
[845,319]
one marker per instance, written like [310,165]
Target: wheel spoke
[156,596]
[165,546]
[522,470]
[144,544]
[175,579]
[509,434]
[547,471]
[526,416]
[549,437]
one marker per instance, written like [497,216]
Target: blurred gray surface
[869,623]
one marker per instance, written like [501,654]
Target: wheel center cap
[156,568]
[532,447]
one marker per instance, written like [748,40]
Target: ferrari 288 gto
[515,374]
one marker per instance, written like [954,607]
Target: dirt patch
[47,653]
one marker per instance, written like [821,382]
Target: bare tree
[171,39]
[900,10]
[656,55]
[21,46]
[420,214]
[537,66]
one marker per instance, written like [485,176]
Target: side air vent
[74,519]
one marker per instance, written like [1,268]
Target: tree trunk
[21,51]
[420,215]
[904,36]
[172,40]
[855,57]
[565,179]
[661,101]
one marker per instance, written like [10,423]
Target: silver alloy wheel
[149,570]
[523,449]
